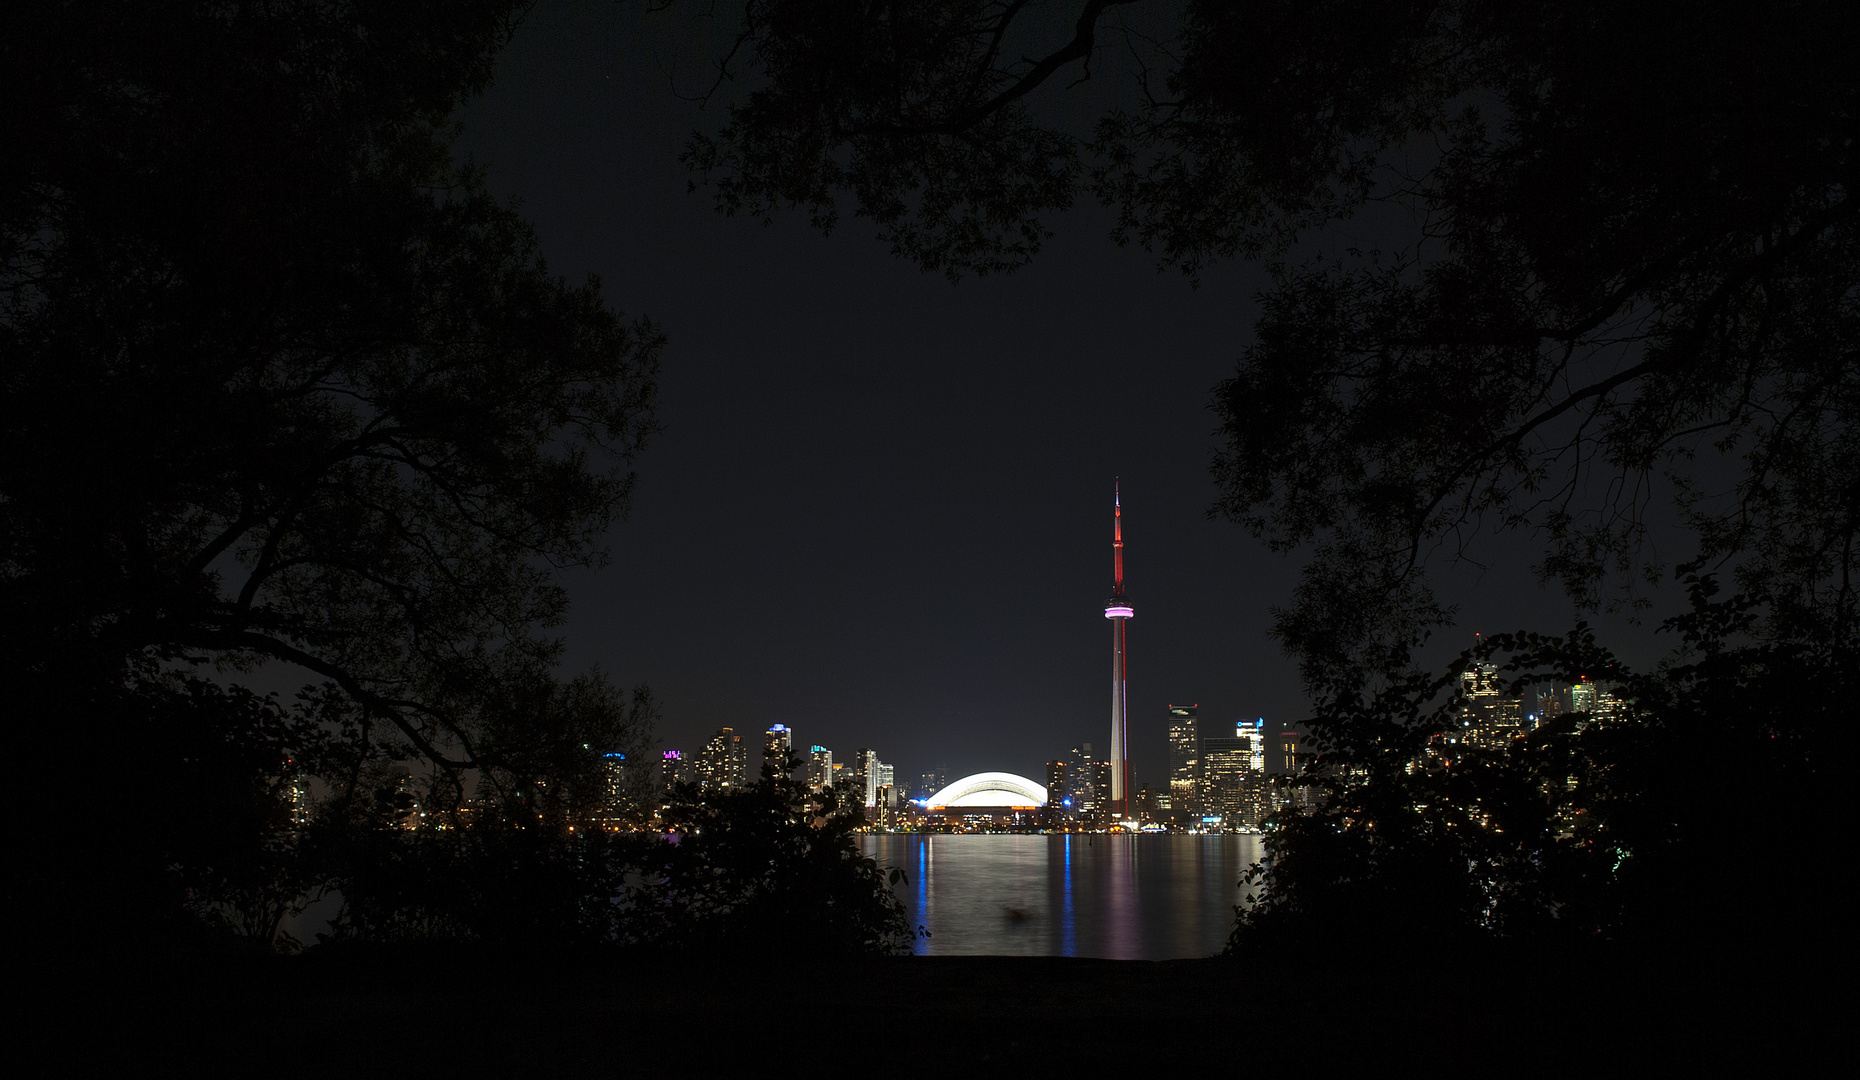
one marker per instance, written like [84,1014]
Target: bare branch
[376,704]
[1083,39]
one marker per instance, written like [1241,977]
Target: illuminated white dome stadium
[990,789]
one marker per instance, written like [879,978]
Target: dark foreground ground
[412,1014]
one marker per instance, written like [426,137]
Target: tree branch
[1684,348]
[1083,39]
[376,704]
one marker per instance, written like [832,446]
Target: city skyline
[1218,781]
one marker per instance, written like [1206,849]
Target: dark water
[1156,897]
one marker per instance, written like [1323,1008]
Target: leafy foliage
[534,855]
[763,871]
[1591,829]
[489,882]
[916,110]
[197,780]
[769,870]
[282,383]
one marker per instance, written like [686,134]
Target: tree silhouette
[1594,830]
[283,384]
[771,870]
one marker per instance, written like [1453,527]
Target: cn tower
[1118,610]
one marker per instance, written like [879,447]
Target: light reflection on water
[1156,897]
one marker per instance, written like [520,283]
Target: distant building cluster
[860,780]
[1490,719]
[1233,779]
[1217,783]
[1218,779]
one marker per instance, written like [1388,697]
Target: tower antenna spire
[1117,538]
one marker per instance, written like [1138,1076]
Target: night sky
[880,509]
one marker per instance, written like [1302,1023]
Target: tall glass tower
[777,744]
[1184,758]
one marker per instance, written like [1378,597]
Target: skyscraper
[1079,792]
[412,812]
[1610,706]
[1293,756]
[1549,706]
[819,768]
[1479,685]
[1234,775]
[723,764]
[1511,721]
[777,744]
[1224,761]
[1055,792]
[848,789]
[297,793]
[1582,695]
[1291,750]
[1118,610]
[618,799]
[1258,791]
[865,774]
[675,768]
[1184,757]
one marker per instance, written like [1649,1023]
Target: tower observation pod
[1118,610]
